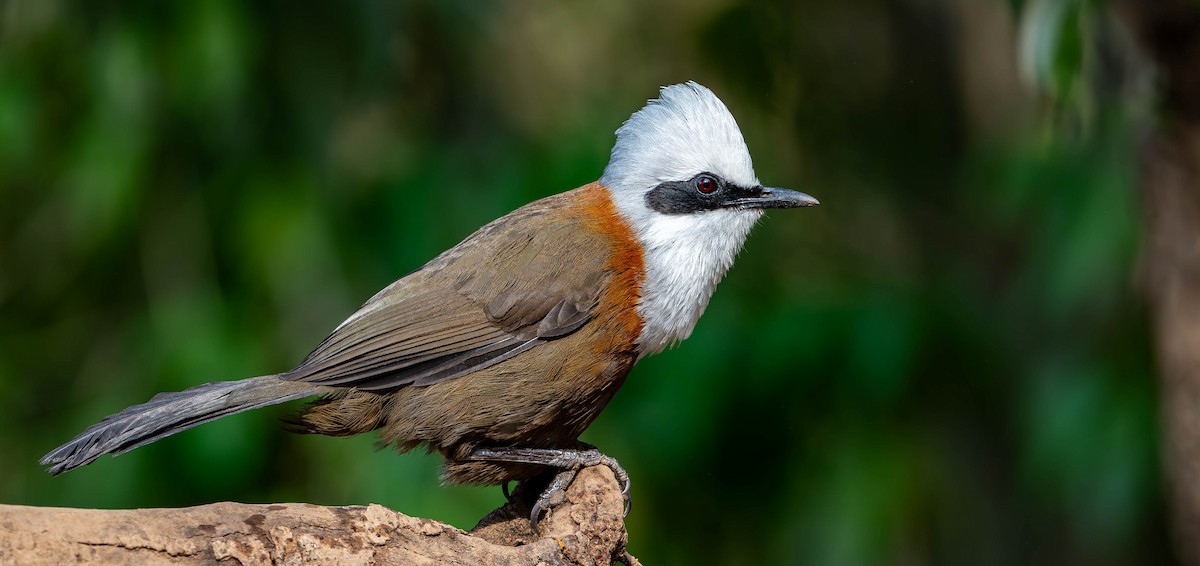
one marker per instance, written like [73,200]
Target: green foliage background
[946,362]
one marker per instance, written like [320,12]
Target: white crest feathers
[687,130]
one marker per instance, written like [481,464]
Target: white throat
[685,257]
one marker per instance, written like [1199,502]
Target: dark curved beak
[772,197]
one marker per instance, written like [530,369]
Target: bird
[500,352]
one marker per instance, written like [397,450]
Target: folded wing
[521,281]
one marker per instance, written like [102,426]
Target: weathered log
[587,528]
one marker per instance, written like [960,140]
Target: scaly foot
[567,460]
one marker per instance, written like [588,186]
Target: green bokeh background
[947,362]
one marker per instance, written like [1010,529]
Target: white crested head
[686,131]
[689,240]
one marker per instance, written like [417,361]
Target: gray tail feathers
[169,413]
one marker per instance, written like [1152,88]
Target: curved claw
[534,515]
[628,500]
[622,480]
[551,496]
[507,494]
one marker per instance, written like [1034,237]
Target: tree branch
[1169,33]
[587,528]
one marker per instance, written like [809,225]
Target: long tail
[169,413]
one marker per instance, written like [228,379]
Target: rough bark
[1169,33]
[1172,195]
[587,528]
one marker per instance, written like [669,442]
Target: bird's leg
[567,461]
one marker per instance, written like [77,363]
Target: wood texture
[587,529]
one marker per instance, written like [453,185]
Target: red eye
[706,184]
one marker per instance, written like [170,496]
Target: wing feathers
[501,292]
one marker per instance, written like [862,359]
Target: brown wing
[520,281]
